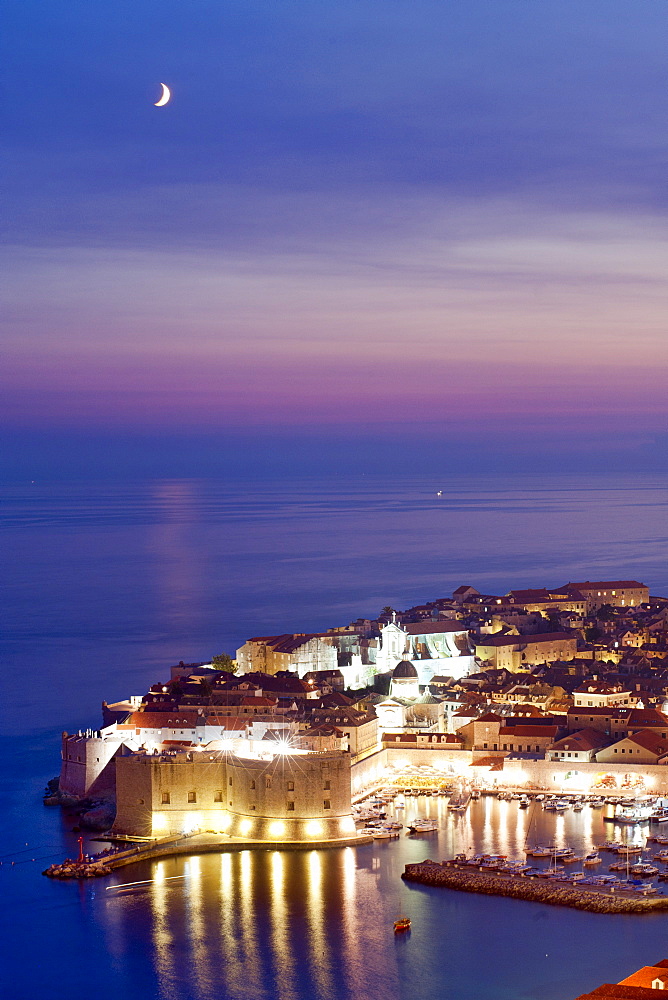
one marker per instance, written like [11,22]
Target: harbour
[324,918]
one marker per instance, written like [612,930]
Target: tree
[224,662]
[387,612]
[593,633]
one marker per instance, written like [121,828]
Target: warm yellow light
[245,827]
[192,822]
[348,825]
[313,828]
[277,829]
[160,822]
[224,821]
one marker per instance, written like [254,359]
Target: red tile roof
[434,628]
[162,720]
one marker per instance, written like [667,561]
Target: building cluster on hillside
[572,675]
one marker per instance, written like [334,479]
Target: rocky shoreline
[96,814]
[435,873]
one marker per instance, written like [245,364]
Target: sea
[106,584]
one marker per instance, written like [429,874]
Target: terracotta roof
[646,976]
[584,739]
[162,720]
[431,628]
[615,991]
[649,741]
[491,762]
[646,717]
[540,594]
[600,687]
[607,585]
[520,731]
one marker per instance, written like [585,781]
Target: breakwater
[609,900]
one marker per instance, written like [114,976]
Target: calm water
[105,586]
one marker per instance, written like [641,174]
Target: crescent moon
[166,94]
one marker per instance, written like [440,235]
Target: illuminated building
[260,790]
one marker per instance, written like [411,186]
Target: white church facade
[433,647]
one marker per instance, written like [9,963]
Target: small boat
[592,859]
[422,826]
[402,924]
[645,870]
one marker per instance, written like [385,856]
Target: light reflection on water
[292,925]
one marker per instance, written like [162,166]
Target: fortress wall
[290,797]
[88,765]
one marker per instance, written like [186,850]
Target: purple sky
[440,213]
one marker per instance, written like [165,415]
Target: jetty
[108,861]
[603,899]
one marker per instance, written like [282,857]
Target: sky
[439,226]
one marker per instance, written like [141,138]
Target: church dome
[404,671]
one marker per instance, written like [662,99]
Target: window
[252,784]
[165,798]
[140,802]
[327,785]
[229,781]
[327,804]
[291,786]
[192,796]
[267,782]
[218,797]
[290,807]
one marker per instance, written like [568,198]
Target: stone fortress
[257,791]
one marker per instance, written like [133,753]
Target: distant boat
[402,924]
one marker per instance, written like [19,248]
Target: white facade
[446,657]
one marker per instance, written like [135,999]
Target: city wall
[289,797]
[88,765]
